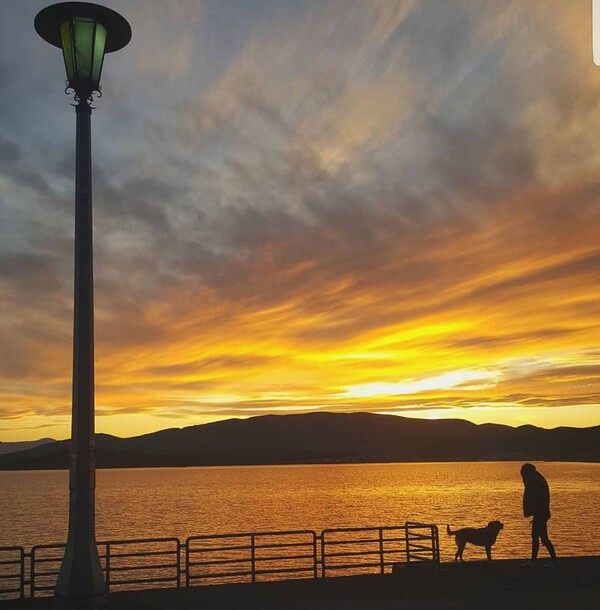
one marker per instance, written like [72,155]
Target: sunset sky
[309,205]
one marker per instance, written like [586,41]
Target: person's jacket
[536,498]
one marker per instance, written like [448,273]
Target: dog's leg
[459,553]
[488,551]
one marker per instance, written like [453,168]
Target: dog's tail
[450,532]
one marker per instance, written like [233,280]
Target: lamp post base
[95,603]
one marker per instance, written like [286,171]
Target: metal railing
[248,557]
[225,558]
[368,550]
[120,560]
[161,563]
[12,571]
[422,542]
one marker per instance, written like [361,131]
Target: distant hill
[324,438]
[12,447]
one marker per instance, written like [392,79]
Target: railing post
[315,559]
[406,530]
[435,543]
[32,574]
[187,562]
[323,554]
[178,563]
[382,565]
[107,563]
[22,580]
[252,558]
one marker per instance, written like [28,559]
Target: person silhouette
[536,504]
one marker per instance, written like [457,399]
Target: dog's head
[495,526]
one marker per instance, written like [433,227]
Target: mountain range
[12,447]
[322,438]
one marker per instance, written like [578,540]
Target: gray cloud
[317,154]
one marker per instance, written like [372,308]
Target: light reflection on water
[139,503]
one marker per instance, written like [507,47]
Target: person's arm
[528,501]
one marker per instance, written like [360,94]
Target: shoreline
[315,463]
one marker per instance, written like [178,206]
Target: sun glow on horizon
[467,380]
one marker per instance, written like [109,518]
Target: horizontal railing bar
[248,546]
[353,566]
[357,541]
[218,562]
[283,545]
[222,548]
[284,558]
[144,553]
[217,575]
[284,570]
[144,567]
[248,534]
[7,576]
[352,554]
[138,581]
[420,547]
[48,559]
[216,537]
[138,541]
[41,574]
[383,528]
[10,562]
[62,545]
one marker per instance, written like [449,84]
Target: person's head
[527,470]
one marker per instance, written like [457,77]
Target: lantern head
[84,32]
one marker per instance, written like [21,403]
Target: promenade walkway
[500,585]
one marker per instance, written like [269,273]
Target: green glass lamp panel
[66,36]
[99,46]
[83,30]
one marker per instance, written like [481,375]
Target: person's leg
[543,533]
[535,539]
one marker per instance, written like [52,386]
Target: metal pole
[80,583]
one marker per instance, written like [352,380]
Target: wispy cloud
[389,206]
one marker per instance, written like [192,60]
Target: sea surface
[181,502]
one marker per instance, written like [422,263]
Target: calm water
[137,503]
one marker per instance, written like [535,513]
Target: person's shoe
[550,564]
[530,563]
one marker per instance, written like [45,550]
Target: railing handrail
[267,554]
[241,534]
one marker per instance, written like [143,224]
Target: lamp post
[84,32]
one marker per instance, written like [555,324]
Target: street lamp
[84,32]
